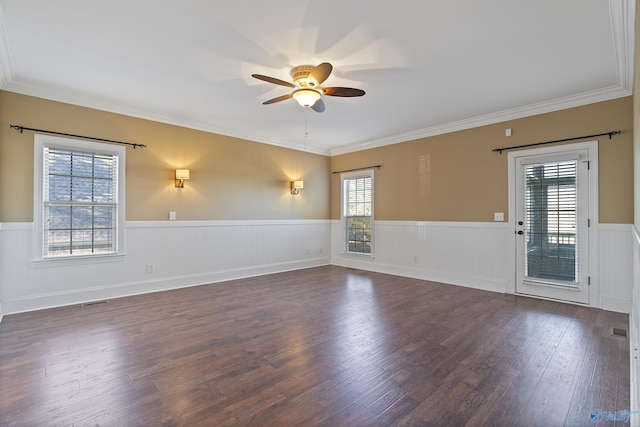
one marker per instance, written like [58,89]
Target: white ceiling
[427,67]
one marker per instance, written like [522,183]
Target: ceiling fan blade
[277,99]
[318,107]
[272,80]
[343,91]
[319,74]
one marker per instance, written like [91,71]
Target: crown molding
[622,14]
[69,96]
[493,118]
[74,98]
[6,68]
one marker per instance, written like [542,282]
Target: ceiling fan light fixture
[306,97]
[307,86]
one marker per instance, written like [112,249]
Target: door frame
[512,242]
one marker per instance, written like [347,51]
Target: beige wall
[636,123]
[230,178]
[451,177]
[456,176]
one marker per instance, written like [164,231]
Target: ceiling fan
[307,86]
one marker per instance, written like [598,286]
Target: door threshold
[581,304]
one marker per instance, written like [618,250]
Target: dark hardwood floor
[324,346]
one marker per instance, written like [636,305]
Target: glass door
[552,226]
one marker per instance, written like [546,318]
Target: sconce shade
[182,173]
[296,186]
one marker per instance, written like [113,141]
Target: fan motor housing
[300,73]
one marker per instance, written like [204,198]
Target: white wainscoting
[480,255]
[188,253]
[634,330]
[615,266]
[180,253]
[459,253]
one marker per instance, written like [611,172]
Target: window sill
[79,260]
[357,254]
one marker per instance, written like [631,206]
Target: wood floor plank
[553,393]
[321,346]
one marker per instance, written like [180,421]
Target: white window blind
[79,202]
[358,213]
[551,227]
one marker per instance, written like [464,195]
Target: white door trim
[513,156]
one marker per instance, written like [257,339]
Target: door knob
[520,232]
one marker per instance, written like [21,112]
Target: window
[551,211]
[357,211]
[79,198]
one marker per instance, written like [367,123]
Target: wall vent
[87,304]
[618,332]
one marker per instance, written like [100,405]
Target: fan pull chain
[306,133]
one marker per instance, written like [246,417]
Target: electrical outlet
[498,216]
[172,216]
[151,268]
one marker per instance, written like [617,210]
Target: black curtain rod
[357,169]
[610,134]
[22,128]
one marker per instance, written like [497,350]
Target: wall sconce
[296,186]
[181,175]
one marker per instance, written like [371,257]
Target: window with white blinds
[551,227]
[80,210]
[358,212]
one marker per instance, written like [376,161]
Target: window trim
[364,173]
[42,141]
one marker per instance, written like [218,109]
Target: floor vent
[617,332]
[87,304]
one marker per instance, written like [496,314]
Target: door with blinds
[552,225]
